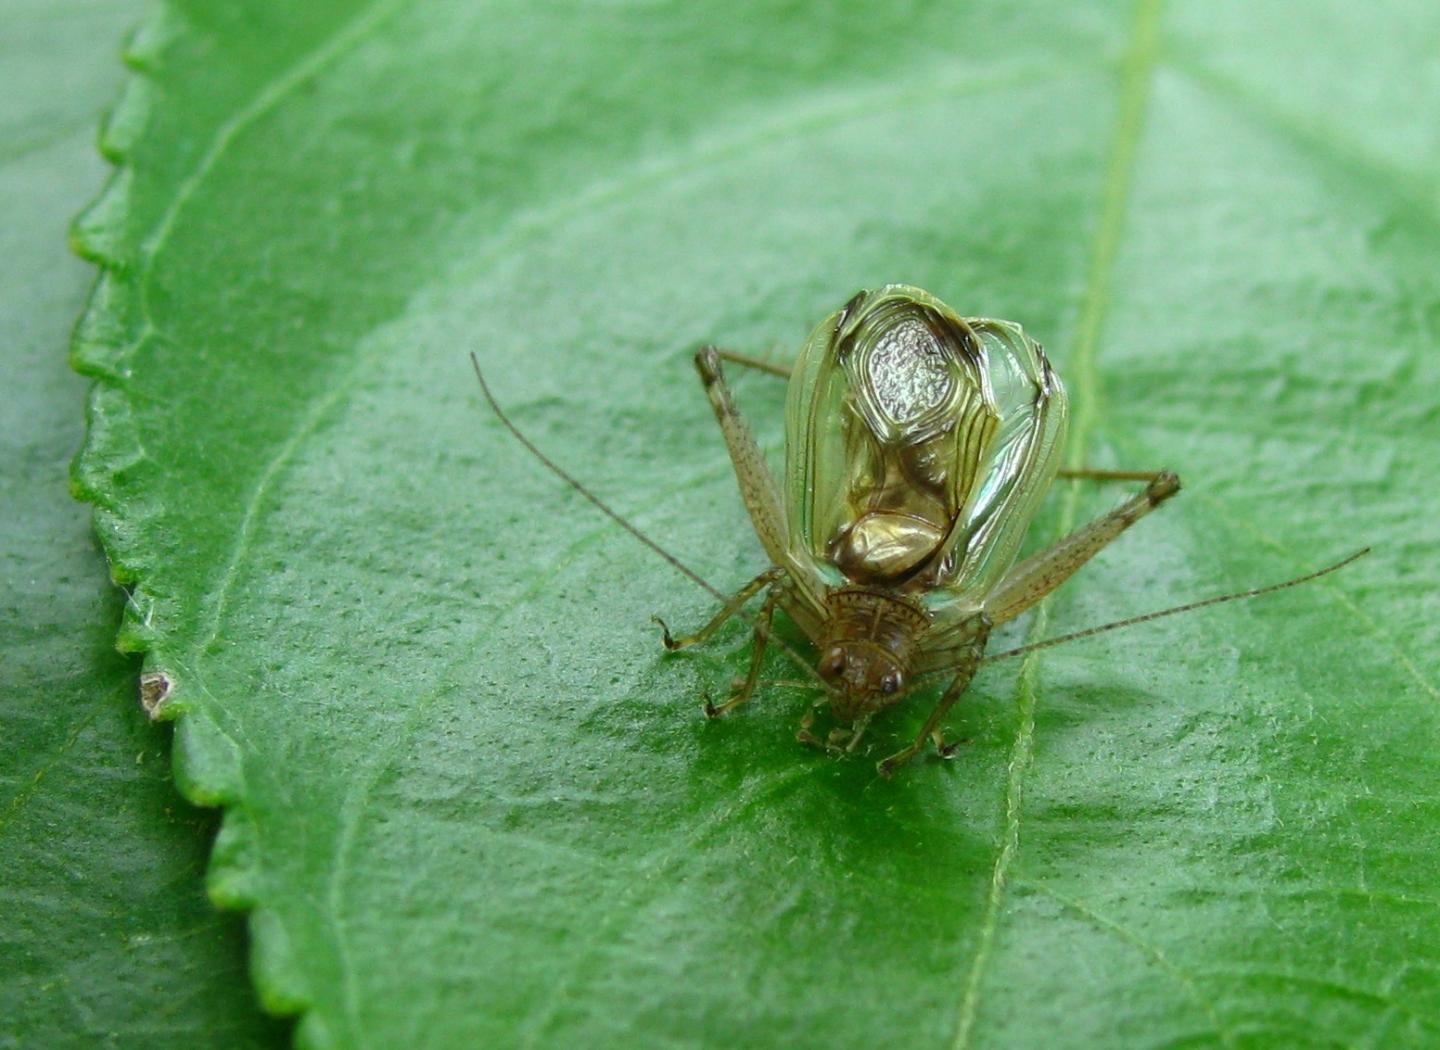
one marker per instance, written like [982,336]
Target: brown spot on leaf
[155,689]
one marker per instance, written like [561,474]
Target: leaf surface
[106,937]
[470,801]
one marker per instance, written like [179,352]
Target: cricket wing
[1018,466]
[889,423]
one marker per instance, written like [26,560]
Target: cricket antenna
[605,508]
[565,476]
[1188,607]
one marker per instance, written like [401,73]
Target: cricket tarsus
[947,749]
[1176,610]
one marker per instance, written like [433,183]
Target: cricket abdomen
[883,547]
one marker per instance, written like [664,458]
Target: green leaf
[106,938]
[470,801]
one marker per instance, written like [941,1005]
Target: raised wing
[1019,464]
[918,447]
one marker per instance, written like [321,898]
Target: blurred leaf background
[106,937]
[466,799]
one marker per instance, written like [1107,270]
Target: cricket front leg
[729,609]
[1041,573]
[757,657]
[963,676]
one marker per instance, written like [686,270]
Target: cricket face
[866,679]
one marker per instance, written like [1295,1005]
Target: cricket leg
[845,739]
[1041,573]
[758,487]
[944,748]
[757,363]
[757,657]
[931,730]
[1086,474]
[804,734]
[729,609]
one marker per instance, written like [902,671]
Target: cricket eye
[890,683]
[832,664]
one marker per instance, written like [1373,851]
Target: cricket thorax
[870,643]
[916,421]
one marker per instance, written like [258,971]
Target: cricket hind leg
[758,487]
[758,363]
[1041,573]
[1086,474]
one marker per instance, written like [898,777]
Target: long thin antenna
[566,477]
[605,508]
[1189,607]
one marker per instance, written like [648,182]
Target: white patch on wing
[908,373]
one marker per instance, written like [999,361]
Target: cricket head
[865,677]
[866,653]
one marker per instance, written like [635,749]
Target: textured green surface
[106,938]
[469,800]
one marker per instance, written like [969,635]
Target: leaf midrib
[1136,76]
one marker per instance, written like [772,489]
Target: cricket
[919,445]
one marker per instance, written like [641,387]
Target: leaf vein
[355,804]
[1137,73]
[1341,597]
[266,99]
[1153,953]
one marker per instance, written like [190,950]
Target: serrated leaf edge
[208,763]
